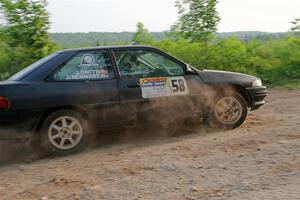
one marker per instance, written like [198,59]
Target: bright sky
[159,15]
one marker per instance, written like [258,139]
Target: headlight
[257,83]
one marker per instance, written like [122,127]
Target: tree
[26,26]
[198,19]
[296,25]
[142,36]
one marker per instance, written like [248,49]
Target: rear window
[21,74]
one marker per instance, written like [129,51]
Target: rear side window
[87,65]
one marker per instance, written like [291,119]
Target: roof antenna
[133,43]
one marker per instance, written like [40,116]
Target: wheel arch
[224,90]
[52,110]
[236,88]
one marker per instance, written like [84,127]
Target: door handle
[133,85]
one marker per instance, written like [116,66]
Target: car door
[152,85]
[86,81]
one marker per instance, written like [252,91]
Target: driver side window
[145,63]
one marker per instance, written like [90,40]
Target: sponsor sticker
[163,87]
[88,74]
[88,60]
[151,82]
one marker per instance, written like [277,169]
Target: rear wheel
[64,132]
[228,112]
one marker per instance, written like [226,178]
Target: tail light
[4,103]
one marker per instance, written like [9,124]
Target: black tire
[81,127]
[215,122]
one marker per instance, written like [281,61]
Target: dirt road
[260,160]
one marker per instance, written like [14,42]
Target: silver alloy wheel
[228,110]
[65,133]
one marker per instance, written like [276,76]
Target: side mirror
[189,70]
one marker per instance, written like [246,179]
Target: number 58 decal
[179,86]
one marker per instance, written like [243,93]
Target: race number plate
[179,86]
[164,86]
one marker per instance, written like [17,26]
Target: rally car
[62,98]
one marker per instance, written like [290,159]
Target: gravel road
[260,160]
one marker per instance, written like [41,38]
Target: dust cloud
[158,119]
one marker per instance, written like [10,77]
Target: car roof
[108,47]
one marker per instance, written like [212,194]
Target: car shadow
[16,151]
[147,136]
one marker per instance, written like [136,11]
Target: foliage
[296,25]
[75,40]
[198,19]
[273,57]
[142,35]
[277,61]
[24,35]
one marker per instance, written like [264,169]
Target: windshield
[21,74]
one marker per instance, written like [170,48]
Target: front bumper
[257,96]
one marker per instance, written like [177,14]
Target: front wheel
[228,111]
[64,132]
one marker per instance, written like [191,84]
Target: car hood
[225,77]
